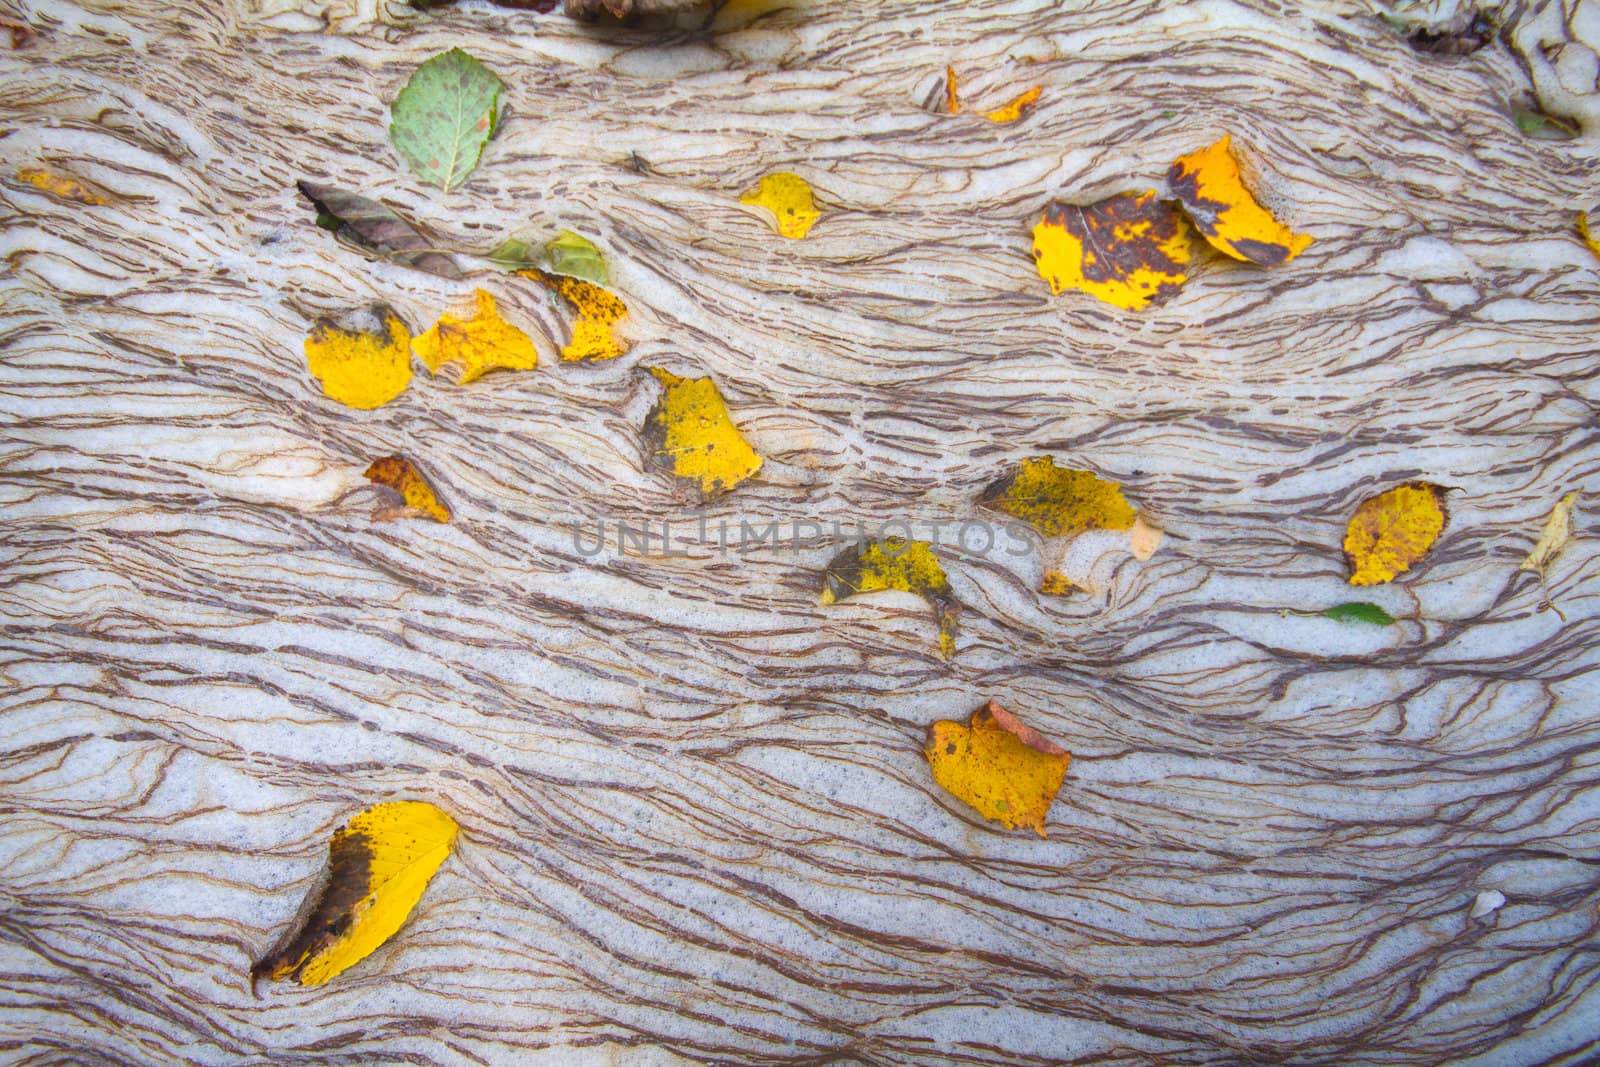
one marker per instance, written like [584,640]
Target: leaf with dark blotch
[1360,611]
[376,230]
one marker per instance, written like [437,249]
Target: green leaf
[577,257]
[1360,611]
[1544,126]
[444,116]
[514,253]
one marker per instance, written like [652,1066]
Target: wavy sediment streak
[697,825]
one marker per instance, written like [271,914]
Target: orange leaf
[478,344]
[1010,113]
[1225,212]
[594,335]
[1127,250]
[401,475]
[952,102]
[1393,530]
[63,187]
[1006,771]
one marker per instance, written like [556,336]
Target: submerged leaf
[1127,250]
[1006,771]
[788,197]
[895,564]
[1393,530]
[1360,611]
[478,344]
[690,433]
[444,116]
[363,360]
[375,229]
[379,863]
[63,186]
[1224,211]
[594,335]
[1059,502]
[577,257]
[401,475]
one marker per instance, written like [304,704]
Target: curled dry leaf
[1127,249]
[478,343]
[376,230]
[690,433]
[1011,112]
[362,360]
[1208,184]
[1006,771]
[379,863]
[64,186]
[401,475]
[1392,531]
[444,116]
[788,197]
[895,564]
[594,334]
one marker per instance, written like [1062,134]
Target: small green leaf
[1545,127]
[444,116]
[1169,114]
[1360,611]
[577,257]
[516,254]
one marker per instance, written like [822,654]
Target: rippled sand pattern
[697,823]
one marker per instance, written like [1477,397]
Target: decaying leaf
[63,186]
[376,230]
[1009,113]
[401,475]
[444,116]
[1393,530]
[1127,250]
[379,863]
[1555,536]
[690,433]
[1006,771]
[788,197]
[1587,234]
[895,564]
[1360,611]
[594,334]
[478,343]
[1059,502]
[1208,184]
[363,360]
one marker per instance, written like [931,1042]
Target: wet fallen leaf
[444,116]
[1208,184]
[1393,530]
[1360,611]
[1587,234]
[478,343]
[690,433]
[1009,113]
[1006,771]
[1057,501]
[1127,249]
[376,230]
[63,186]
[788,197]
[594,335]
[363,360]
[379,863]
[401,475]
[895,564]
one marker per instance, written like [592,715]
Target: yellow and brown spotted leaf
[893,564]
[1006,771]
[1211,190]
[690,433]
[1009,113]
[1392,531]
[598,311]
[1059,502]
[1587,234]
[379,863]
[1127,249]
[401,475]
[64,186]
[478,343]
[788,197]
[363,360]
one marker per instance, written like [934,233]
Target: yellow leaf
[478,344]
[1010,113]
[952,101]
[690,433]
[1059,502]
[62,186]
[1556,535]
[1006,771]
[894,564]
[594,335]
[1393,530]
[363,361]
[379,863]
[1586,234]
[1127,250]
[788,197]
[1224,211]
[401,475]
